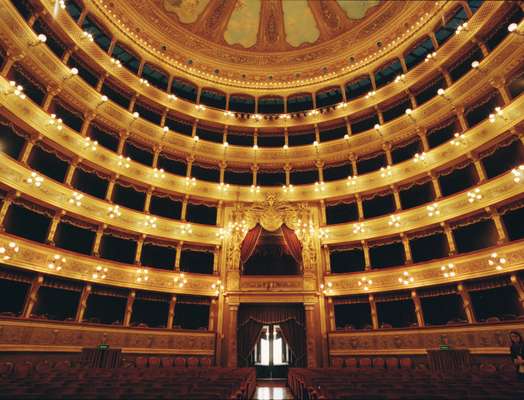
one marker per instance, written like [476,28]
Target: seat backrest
[141,362]
[6,368]
[167,362]
[379,363]
[43,366]
[486,367]
[365,362]
[351,362]
[23,370]
[192,362]
[63,365]
[205,362]
[406,363]
[180,362]
[154,362]
[392,363]
[337,362]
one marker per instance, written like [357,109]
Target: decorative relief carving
[463,336]
[55,334]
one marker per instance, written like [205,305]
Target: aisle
[272,390]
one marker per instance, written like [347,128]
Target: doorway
[271,355]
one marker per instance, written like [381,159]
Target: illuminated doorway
[271,354]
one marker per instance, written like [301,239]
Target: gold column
[423,135]
[360,207]
[254,170]
[367,258]
[98,240]
[348,126]
[52,227]
[466,303]
[320,164]
[147,201]
[8,200]
[110,188]
[12,59]
[331,314]
[232,342]
[139,246]
[287,170]
[433,40]
[67,54]
[501,229]
[171,313]
[380,116]
[418,308]
[177,256]
[519,288]
[156,154]
[412,99]
[461,118]
[478,167]
[26,150]
[212,315]
[450,238]
[32,296]
[132,102]
[310,336]
[122,137]
[374,314]
[70,173]
[407,249]
[396,197]
[436,185]
[447,77]
[82,304]
[327,261]
[403,64]
[52,91]
[499,83]
[183,212]
[129,308]
[386,146]
[343,93]
[101,81]
[216,258]
[353,159]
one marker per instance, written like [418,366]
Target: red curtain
[292,243]
[249,243]
[248,335]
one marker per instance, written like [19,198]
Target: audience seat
[192,362]
[154,362]
[379,363]
[351,363]
[392,363]
[406,363]
[180,362]
[205,362]
[167,362]
[365,362]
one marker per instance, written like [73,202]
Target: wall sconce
[371,94]
[17,90]
[76,199]
[90,144]
[100,272]
[341,105]
[386,171]
[172,97]
[218,287]
[358,227]
[518,173]
[229,114]
[150,222]
[186,229]
[430,56]
[497,113]
[409,113]
[223,187]
[514,28]
[87,36]
[190,181]
[420,157]
[448,270]
[313,113]
[114,212]
[180,280]
[474,195]
[442,93]
[288,188]
[406,278]
[352,180]
[365,283]
[158,173]
[72,72]
[459,139]
[400,78]
[320,186]
[462,28]
[394,220]
[54,121]
[476,66]
[254,189]
[34,179]
[123,162]
[200,107]
[144,82]
[433,210]
[142,275]
[116,62]
[323,234]
[496,261]
[103,100]
[327,289]
[56,263]
[9,251]
[40,39]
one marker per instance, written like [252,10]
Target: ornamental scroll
[271,215]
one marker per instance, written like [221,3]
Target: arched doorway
[271,337]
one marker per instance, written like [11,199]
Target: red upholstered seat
[351,362]
[392,363]
[43,366]
[6,368]
[406,363]
[141,362]
[23,370]
[154,362]
[180,362]
[365,362]
[205,362]
[337,362]
[379,363]
[63,365]
[167,362]
[489,368]
[192,362]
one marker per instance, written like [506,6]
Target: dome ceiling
[273,42]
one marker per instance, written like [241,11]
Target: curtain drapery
[292,243]
[248,335]
[295,337]
[249,243]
